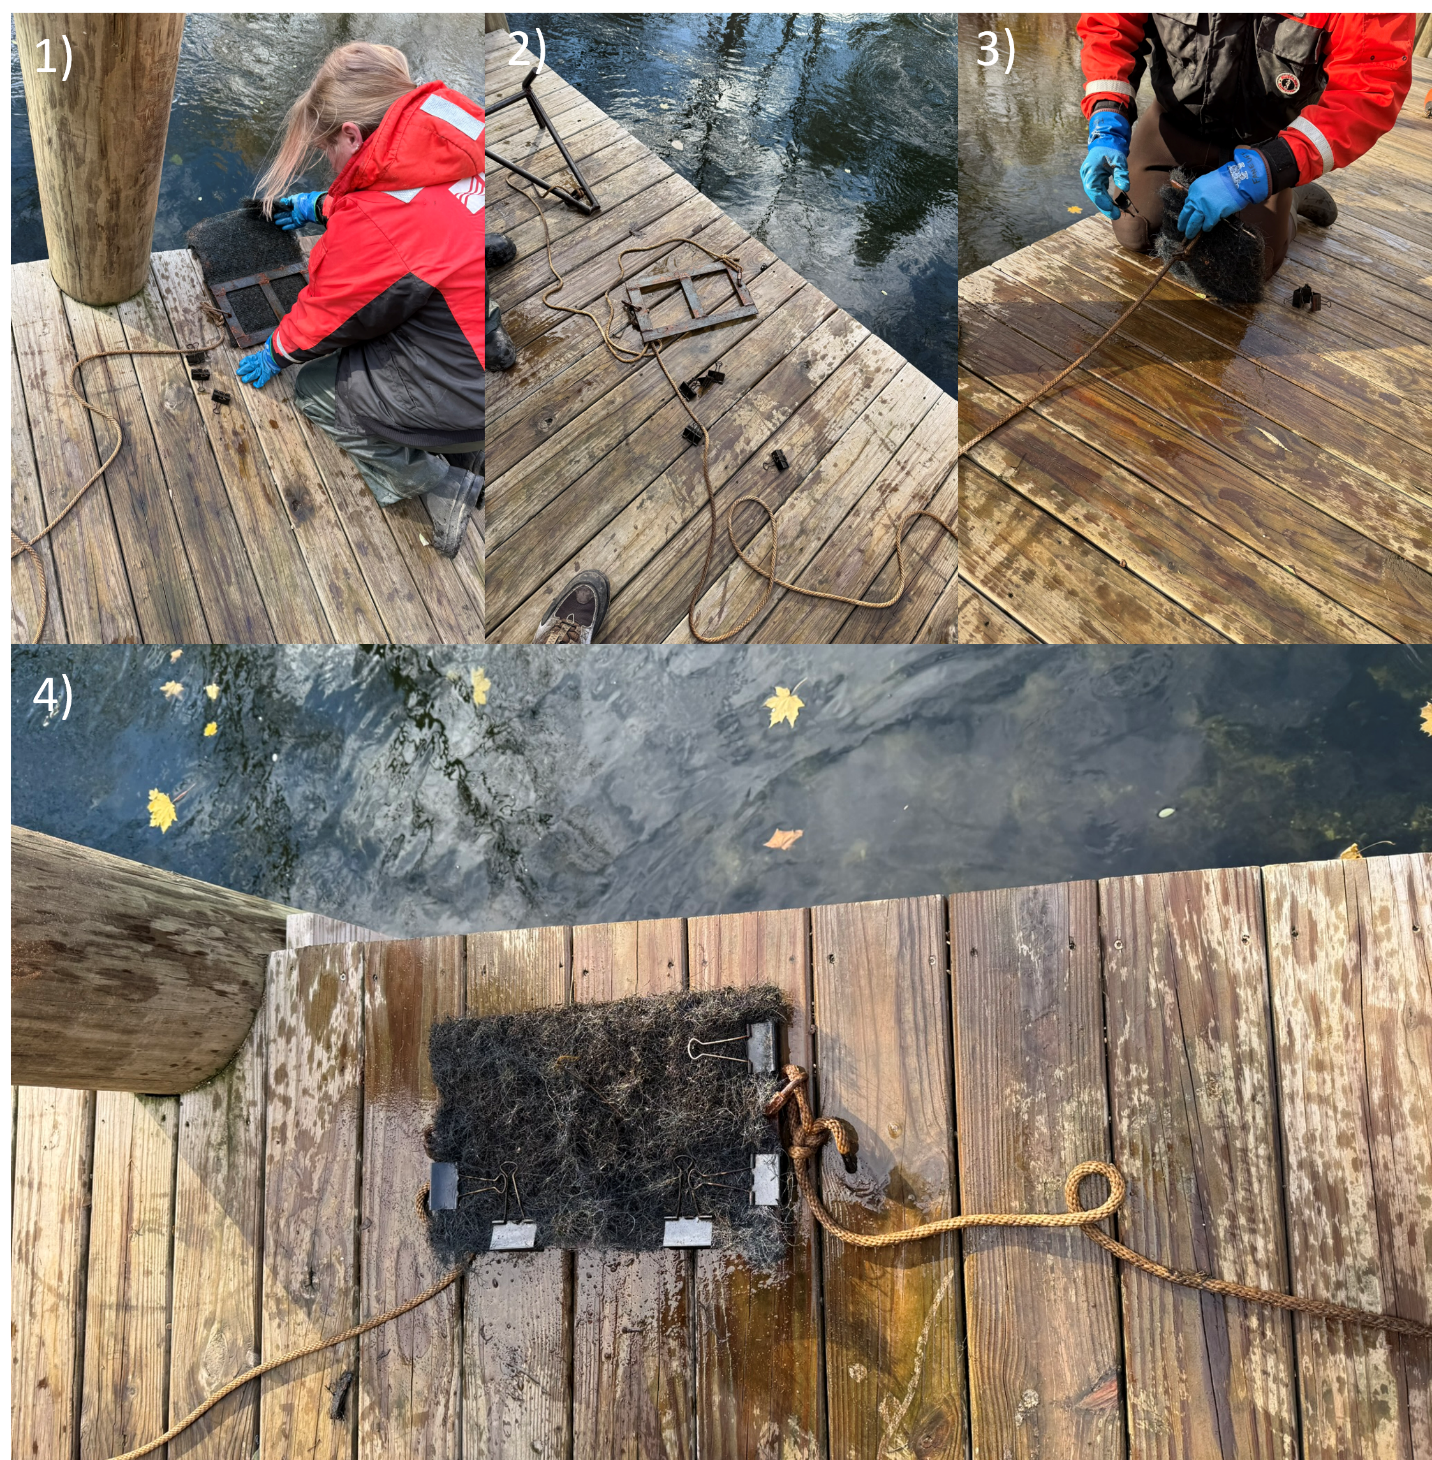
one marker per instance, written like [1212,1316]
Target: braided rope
[810,1134]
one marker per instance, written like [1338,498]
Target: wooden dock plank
[99,608]
[1334,947]
[314,1018]
[28,507]
[982,622]
[50,1221]
[894,1328]
[759,1361]
[218,1226]
[1196,1135]
[583,473]
[409,1383]
[633,1370]
[517,1358]
[1031,1103]
[126,1361]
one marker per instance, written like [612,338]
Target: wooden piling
[98,90]
[125,977]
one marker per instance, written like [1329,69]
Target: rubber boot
[500,250]
[450,505]
[467,460]
[1315,203]
[501,352]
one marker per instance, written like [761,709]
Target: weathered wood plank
[1031,1103]
[633,1371]
[517,1356]
[1195,1133]
[50,1217]
[27,507]
[218,1226]
[314,1016]
[894,1327]
[759,1364]
[127,1289]
[982,622]
[410,1378]
[1336,947]
[99,608]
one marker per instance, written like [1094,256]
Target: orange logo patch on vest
[1288,83]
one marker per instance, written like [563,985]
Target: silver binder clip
[766,1179]
[509,1236]
[681,1230]
[760,1042]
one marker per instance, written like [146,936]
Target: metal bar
[544,124]
[566,197]
[274,302]
[543,120]
[744,312]
[693,302]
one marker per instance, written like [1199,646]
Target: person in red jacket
[389,330]
[1257,106]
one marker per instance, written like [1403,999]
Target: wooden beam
[127,977]
[98,90]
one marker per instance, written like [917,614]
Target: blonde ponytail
[356,83]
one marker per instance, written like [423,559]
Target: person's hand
[1109,133]
[1218,195]
[260,367]
[296,210]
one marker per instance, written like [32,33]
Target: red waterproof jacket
[1311,92]
[396,282]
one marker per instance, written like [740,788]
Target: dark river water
[1022,134]
[832,139]
[641,782]
[238,75]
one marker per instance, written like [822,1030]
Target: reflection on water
[643,782]
[1022,135]
[238,75]
[832,139]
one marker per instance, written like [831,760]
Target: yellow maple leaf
[1427,718]
[480,686]
[1076,210]
[161,811]
[212,728]
[175,655]
[1350,854]
[212,690]
[784,705]
[782,841]
[172,690]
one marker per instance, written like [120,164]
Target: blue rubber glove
[1109,133]
[296,210]
[260,367]
[1218,195]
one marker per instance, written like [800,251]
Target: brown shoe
[577,611]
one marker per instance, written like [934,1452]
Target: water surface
[832,139]
[644,781]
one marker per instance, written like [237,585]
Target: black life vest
[1234,78]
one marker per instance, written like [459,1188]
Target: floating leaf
[679,146]
[212,690]
[1350,854]
[480,686]
[1427,718]
[784,705]
[161,811]
[172,690]
[782,841]
[1076,210]
[212,728]
[175,655]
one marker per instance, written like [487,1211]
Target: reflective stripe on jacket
[1313,92]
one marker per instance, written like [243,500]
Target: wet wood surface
[1260,472]
[226,524]
[588,468]
[1252,1047]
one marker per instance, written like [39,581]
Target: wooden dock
[1214,472]
[588,466]
[1252,1047]
[240,524]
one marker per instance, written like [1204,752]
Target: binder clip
[509,1236]
[760,1042]
[681,1230]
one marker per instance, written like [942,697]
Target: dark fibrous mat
[1227,260]
[597,1109]
[236,245]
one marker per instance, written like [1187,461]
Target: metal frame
[699,320]
[587,203]
[263,281]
